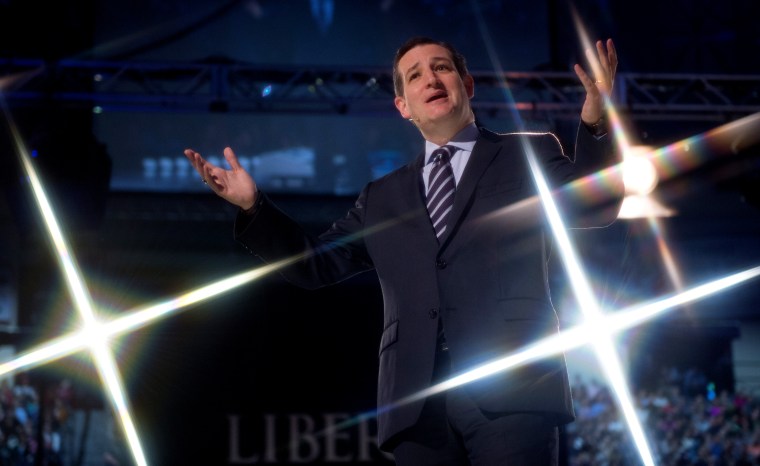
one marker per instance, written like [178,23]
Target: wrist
[598,128]
[253,205]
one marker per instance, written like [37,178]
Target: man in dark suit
[461,289]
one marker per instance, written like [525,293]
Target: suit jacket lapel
[486,148]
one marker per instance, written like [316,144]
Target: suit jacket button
[433,313]
[440,264]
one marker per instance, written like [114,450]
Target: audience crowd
[22,438]
[685,420]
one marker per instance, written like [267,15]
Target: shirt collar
[464,140]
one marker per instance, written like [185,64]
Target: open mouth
[439,96]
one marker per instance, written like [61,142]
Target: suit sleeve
[588,188]
[306,260]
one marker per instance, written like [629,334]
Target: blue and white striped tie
[441,188]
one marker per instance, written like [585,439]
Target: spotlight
[639,174]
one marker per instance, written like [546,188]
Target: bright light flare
[56,349]
[665,253]
[643,207]
[604,347]
[639,174]
[83,302]
[689,153]
[679,158]
[109,372]
[95,334]
[603,344]
[134,319]
[140,317]
[584,333]
[568,339]
[640,179]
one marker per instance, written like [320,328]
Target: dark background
[268,347]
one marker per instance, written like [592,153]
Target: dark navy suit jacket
[487,278]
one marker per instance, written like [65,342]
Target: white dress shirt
[464,141]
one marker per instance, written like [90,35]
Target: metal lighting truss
[226,86]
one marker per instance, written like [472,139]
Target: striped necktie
[441,188]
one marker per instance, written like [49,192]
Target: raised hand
[603,66]
[234,185]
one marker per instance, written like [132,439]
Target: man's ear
[401,106]
[469,85]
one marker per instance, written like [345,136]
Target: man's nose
[431,79]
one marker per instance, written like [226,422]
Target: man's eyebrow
[416,65]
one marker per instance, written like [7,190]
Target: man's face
[434,93]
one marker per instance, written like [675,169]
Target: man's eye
[441,67]
[413,76]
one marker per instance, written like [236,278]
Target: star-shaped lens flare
[91,332]
[95,335]
[605,349]
[575,337]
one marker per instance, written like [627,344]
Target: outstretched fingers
[204,168]
[603,65]
[585,79]
[196,161]
[231,158]
[608,61]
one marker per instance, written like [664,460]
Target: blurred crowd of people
[686,419]
[709,427]
[22,437]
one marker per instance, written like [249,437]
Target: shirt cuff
[598,129]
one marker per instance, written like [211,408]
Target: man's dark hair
[459,61]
